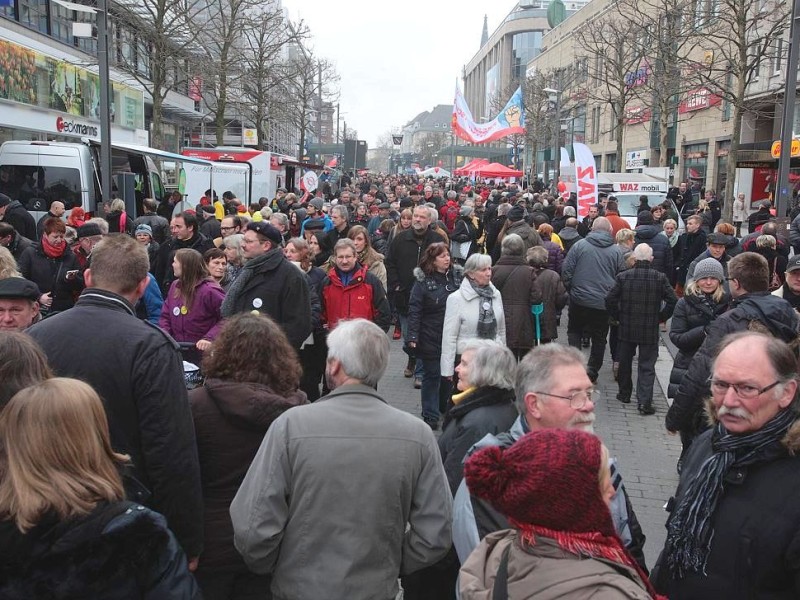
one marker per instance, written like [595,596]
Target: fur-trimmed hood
[791,441]
[457,272]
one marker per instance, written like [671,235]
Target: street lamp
[554,98]
[101,13]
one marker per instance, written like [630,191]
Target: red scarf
[52,251]
[593,544]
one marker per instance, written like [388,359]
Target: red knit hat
[549,478]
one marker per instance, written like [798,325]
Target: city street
[645,453]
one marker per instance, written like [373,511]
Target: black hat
[645,217]
[516,213]
[267,230]
[384,206]
[406,203]
[717,238]
[313,224]
[18,287]
[794,263]
[88,230]
[4,200]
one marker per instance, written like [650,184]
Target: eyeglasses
[223,228]
[743,390]
[577,400]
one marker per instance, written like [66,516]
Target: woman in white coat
[474,311]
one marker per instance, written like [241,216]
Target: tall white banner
[586,178]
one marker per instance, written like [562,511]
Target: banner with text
[586,176]
[510,120]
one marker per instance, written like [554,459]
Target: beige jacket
[545,572]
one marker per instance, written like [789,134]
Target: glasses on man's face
[743,390]
[223,228]
[577,400]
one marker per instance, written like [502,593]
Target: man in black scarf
[734,531]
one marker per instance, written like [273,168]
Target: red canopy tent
[471,166]
[496,170]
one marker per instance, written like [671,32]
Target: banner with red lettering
[586,178]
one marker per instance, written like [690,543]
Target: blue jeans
[435,391]
[404,326]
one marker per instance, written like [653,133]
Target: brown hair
[56,453]
[119,263]
[54,225]
[545,230]
[252,348]
[303,251]
[193,272]
[22,363]
[369,256]
[751,270]
[430,255]
[725,228]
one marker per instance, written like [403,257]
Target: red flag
[332,162]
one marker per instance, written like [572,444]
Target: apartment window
[755,55]
[595,125]
[699,13]
[33,13]
[777,56]
[613,128]
[61,23]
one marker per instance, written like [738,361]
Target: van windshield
[38,187]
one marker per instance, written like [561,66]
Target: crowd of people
[286,474]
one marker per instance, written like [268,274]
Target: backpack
[451,217]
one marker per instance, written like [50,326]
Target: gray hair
[534,372]
[569,211]
[766,241]
[434,214]
[466,210]
[281,217]
[602,224]
[503,209]
[643,252]
[362,348]
[538,256]
[512,245]
[493,364]
[451,195]
[341,210]
[477,262]
[101,223]
[345,243]
[236,242]
[117,204]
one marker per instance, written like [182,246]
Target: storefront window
[695,161]
[611,163]
[722,169]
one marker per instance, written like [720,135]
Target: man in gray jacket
[346,494]
[589,272]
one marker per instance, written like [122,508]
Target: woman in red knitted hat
[554,486]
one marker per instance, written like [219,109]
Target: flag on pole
[509,121]
[333,162]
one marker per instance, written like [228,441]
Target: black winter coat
[756,527]
[279,289]
[18,216]
[404,255]
[640,299]
[138,373]
[119,551]
[569,235]
[50,274]
[691,245]
[484,410]
[465,231]
[114,223]
[770,312]
[426,309]
[166,253]
[662,251]
[230,420]
[687,331]
[18,245]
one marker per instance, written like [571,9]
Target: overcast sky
[395,59]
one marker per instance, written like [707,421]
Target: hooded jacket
[545,571]
[590,269]
[118,551]
[569,235]
[426,309]
[230,420]
[528,234]
[754,311]
[516,282]
[756,526]
[662,251]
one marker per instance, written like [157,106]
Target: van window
[38,187]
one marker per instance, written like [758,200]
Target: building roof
[435,120]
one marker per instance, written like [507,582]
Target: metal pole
[784,195]
[556,149]
[105,102]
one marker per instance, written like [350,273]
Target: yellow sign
[250,136]
[776,148]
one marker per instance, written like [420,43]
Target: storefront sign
[76,128]
[775,151]
[698,99]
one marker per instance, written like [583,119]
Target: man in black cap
[19,303]
[16,215]
[12,240]
[790,290]
[383,214]
[89,234]
[270,284]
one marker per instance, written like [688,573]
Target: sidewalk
[645,453]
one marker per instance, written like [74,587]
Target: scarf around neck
[241,280]
[53,251]
[487,324]
[690,532]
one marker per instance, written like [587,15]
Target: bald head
[602,224]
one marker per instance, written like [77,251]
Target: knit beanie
[709,267]
[144,228]
[549,478]
[517,213]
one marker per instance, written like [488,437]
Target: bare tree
[161,49]
[266,68]
[664,43]
[539,122]
[603,72]
[737,35]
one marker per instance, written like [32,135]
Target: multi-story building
[427,133]
[49,84]
[700,123]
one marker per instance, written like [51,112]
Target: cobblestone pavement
[646,454]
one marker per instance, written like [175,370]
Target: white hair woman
[474,311]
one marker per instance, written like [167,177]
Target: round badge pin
[257,303]
[176,311]
[486,306]
[184,310]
